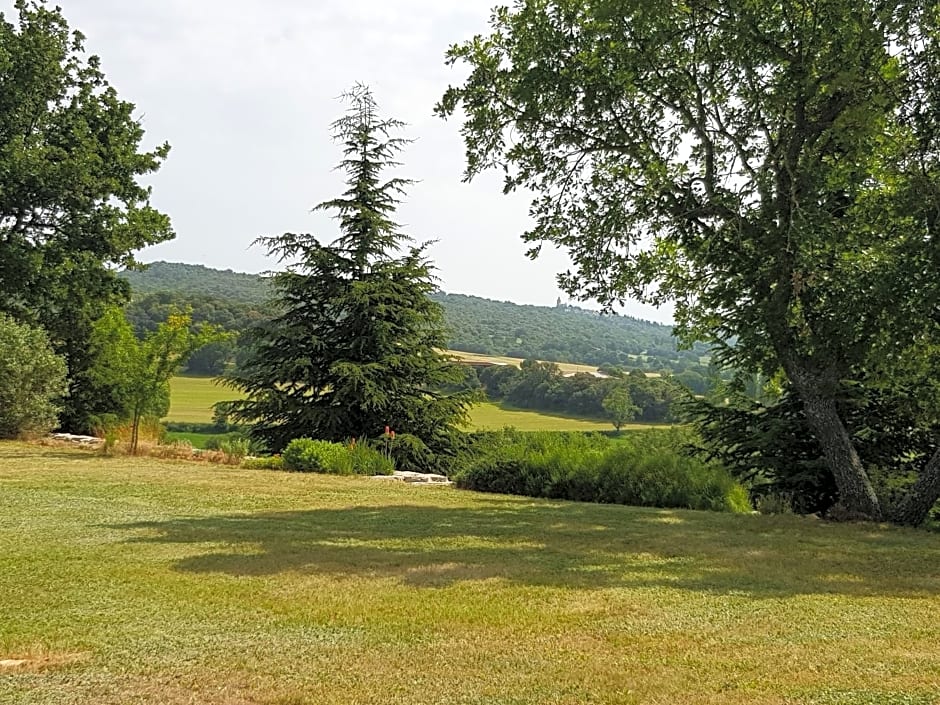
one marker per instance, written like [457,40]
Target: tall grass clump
[645,468]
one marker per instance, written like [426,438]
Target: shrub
[411,453]
[32,380]
[644,469]
[268,462]
[368,460]
[308,455]
[234,449]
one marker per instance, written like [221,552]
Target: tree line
[544,387]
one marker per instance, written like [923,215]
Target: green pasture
[132,580]
[494,416]
[192,399]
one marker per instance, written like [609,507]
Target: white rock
[415,478]
[13,662]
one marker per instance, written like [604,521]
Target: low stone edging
[415,478]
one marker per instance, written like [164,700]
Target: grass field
[141,581]
[192,399]
[517,361]
[494,416]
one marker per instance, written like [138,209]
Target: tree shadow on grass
[562,544]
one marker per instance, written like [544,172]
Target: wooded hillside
[559,334]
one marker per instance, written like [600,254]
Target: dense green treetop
[72,206]
[32,380]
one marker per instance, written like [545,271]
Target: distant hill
[195,279]
[559,334]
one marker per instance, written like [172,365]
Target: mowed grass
[142,581]
[192,398]
[494,416]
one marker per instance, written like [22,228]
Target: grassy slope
[193,397]
[154,582]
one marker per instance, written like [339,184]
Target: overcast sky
[245,90]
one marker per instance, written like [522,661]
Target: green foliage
[32,380]
[203,428]
[190,283]
[308,455]
[772,168]
[72,207]
[770,446]
[562,334]
[266,462]
[542,386]
[147,311]
[408,452]
[235,449]
[369,460]
[644,468]
[138,371]
[619,406]
[355,345]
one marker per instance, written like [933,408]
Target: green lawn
[192,399]
[494,416]
[140,581]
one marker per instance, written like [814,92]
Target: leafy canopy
[32,380]
[72,207]
[138,371]
[770,167]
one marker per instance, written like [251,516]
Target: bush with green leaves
[235,448]
[369,460]
[648,468]
[32,380]
[308,455]
[265,462]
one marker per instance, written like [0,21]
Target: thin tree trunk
[135,425]
[913,509]
[856,494]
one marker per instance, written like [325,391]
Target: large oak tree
[72,207]
[770,166]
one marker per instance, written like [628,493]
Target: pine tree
[355,346]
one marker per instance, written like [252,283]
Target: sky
[245,91]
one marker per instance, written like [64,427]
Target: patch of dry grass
[182,583]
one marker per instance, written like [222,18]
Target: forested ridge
[559,334]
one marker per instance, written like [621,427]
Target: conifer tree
[355,344]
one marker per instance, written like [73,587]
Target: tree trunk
[135,426]
[857,498]
[920,498]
